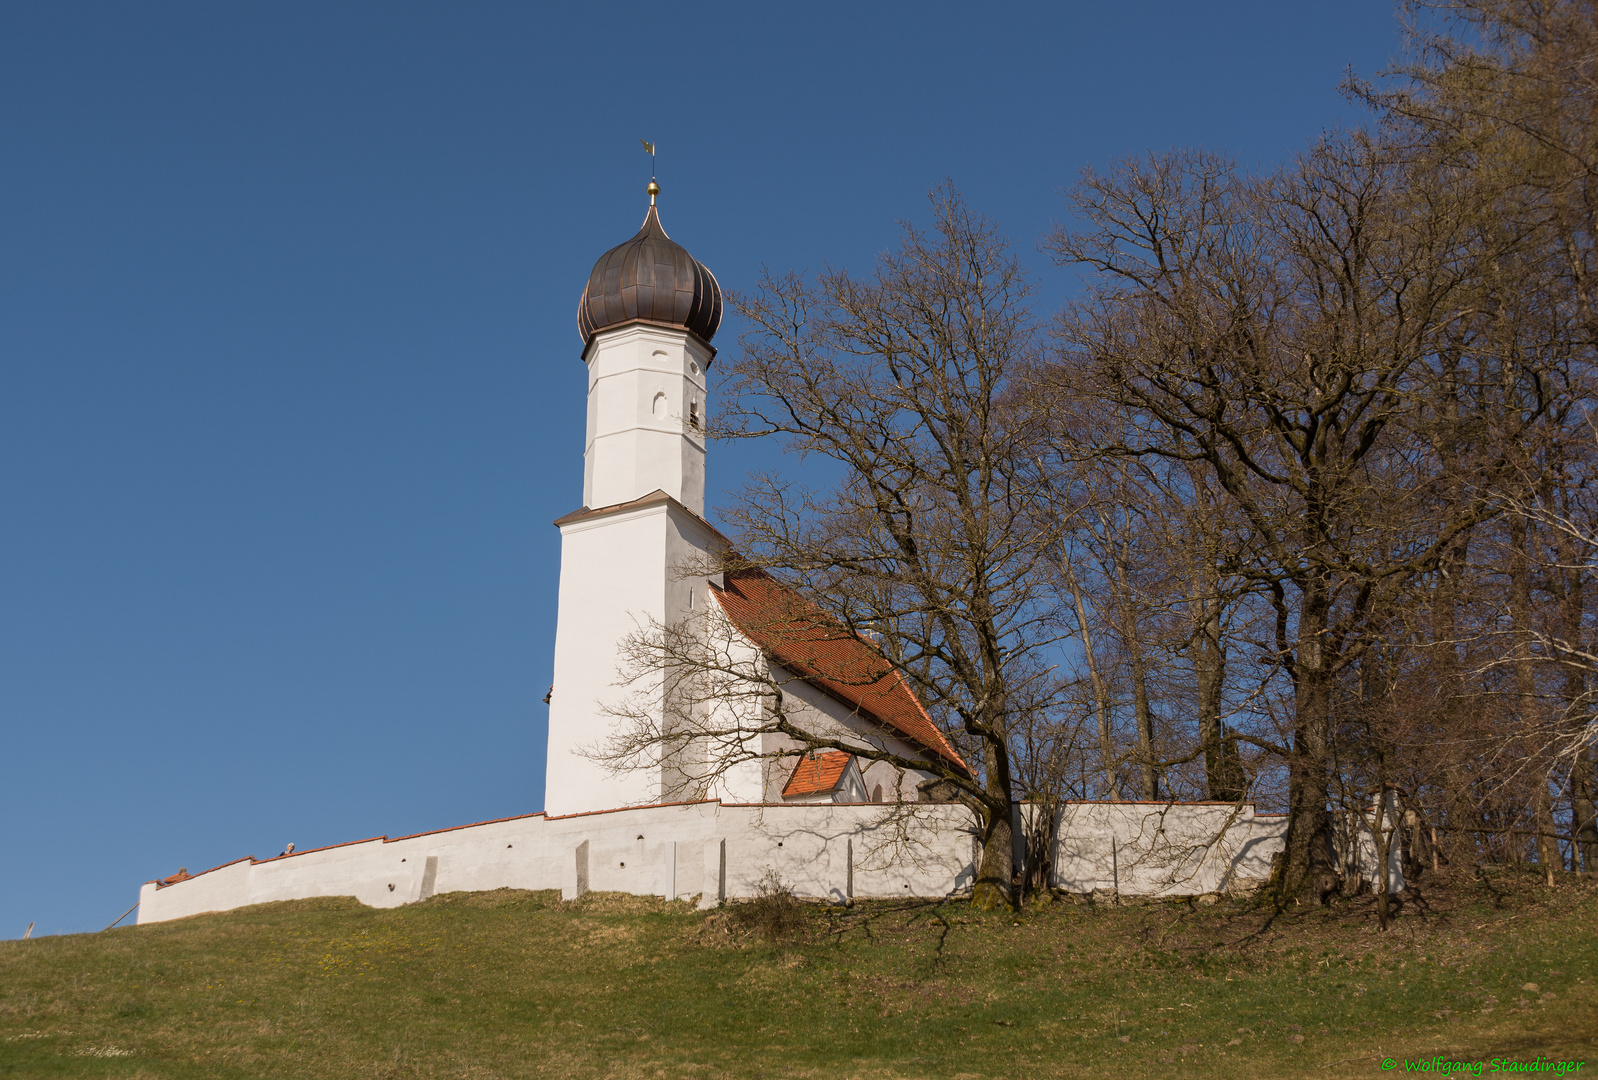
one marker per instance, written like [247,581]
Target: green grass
[515,984]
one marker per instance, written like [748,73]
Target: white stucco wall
[719,851]
[644,382]
[621,572]
[1163,849]
[611,585]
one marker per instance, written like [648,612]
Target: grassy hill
[516,984]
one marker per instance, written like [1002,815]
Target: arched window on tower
[693,412]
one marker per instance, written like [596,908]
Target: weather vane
[654,188]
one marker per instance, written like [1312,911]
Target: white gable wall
[819,712]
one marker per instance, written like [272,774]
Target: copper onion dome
[652,279]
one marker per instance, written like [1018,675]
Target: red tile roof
[817,773]
[825,654]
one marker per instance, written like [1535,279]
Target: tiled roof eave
[806,672]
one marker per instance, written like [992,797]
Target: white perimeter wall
[1164,849]
[716,851]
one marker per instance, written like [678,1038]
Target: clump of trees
[1293,503]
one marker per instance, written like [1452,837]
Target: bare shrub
[773,913]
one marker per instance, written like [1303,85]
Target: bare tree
[1507,92]
[926,544]
[1563,643]
[1282,333]
[1503,96]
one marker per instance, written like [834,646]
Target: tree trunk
[1458,810]
[1223,780]
[1042,833]
[1308,869]
[1132,638]
[1584,805]
[1526,691]
[1101,693]
[1384,846]
[1583,780]
[1458,813]
[1145,724]
[1223,773]
[994,888]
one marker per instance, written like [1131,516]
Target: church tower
[646,318]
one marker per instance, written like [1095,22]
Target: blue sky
[289,378]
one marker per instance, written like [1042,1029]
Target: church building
[632,807]
[628,560]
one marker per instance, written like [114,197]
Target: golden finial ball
[654,188]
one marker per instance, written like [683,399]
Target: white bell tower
[646,415]
[646,317]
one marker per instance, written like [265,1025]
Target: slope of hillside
[515,984]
